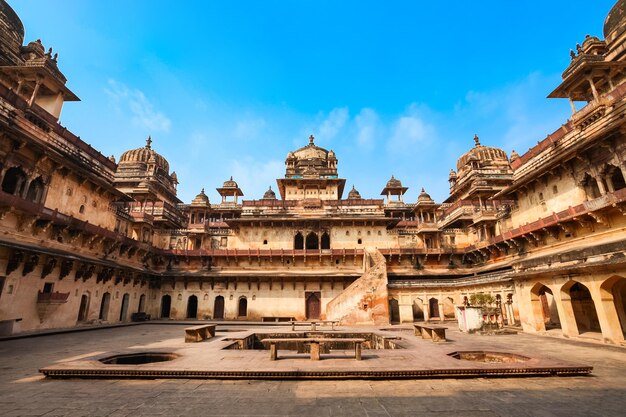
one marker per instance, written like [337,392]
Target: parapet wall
[365,301]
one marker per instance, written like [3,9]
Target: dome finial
[149,142]
[311,139]
[476,139]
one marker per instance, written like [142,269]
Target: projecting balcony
[52,297]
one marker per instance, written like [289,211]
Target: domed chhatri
[201,199]
[269,194]
[144,156]
[482,155]
[424,197]
[354,194]
[615,23]
[394,183]
[230,183]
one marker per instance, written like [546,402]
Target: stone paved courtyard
[23,391]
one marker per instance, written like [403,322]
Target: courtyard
[25,391]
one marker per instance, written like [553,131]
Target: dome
[424,197]
[11,34]
[482,154]
[269,194]
[201,199]
[615,22]
[393,183]
[354,194]
[144,155]
[230,184]
[311,151]
[452,174]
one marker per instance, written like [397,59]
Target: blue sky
[393,87]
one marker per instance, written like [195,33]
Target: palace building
[86,239]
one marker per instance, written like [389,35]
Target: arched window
[298,241]
[35,190]
[14,181]
[617,179]
[312,241]
[591,187]
[325,241]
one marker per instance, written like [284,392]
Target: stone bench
[315,345]
[276,319]
[199,333]
[427,331]
[314,324]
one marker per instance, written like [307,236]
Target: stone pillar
[571,103]
[566,313]
[34,95]
[440,307]
[607,315]
[601,186]
[593,89]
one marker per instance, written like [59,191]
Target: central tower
[311,174]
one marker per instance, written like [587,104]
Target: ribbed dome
[230,183]
[201,199]
[269,194]
[481,153]
[394,183]
[11,34]
[615,22]
[354,194]
[145,155]
[311,151]
[424,197]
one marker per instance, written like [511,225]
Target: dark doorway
[313,305]
[192,307]
[166,304]
[298,241]
[618,179]
[124,309]
[142,304]
[104,306]
[325,241]
[218,307]
[433,308]
[84,307]
[394,311]
[584,308]
[243,307]
[312,241]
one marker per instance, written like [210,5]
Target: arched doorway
[433,308]
[166,305]
[590,185]
[84,308]
[615,288]
[312,241]
[104,306]
[298,241]
[394,311]
[192,307]
[218,307]
[14,181]
[124,309]
[583,307]
[325,240]
[418,310]
[617,179]
[313,306]
[142,304]
[242,311]
[544,308]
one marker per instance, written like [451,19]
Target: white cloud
[142,110]
[254,177]
[408,131]
[335,121]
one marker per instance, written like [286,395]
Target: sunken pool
[139,358]
[483,356]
